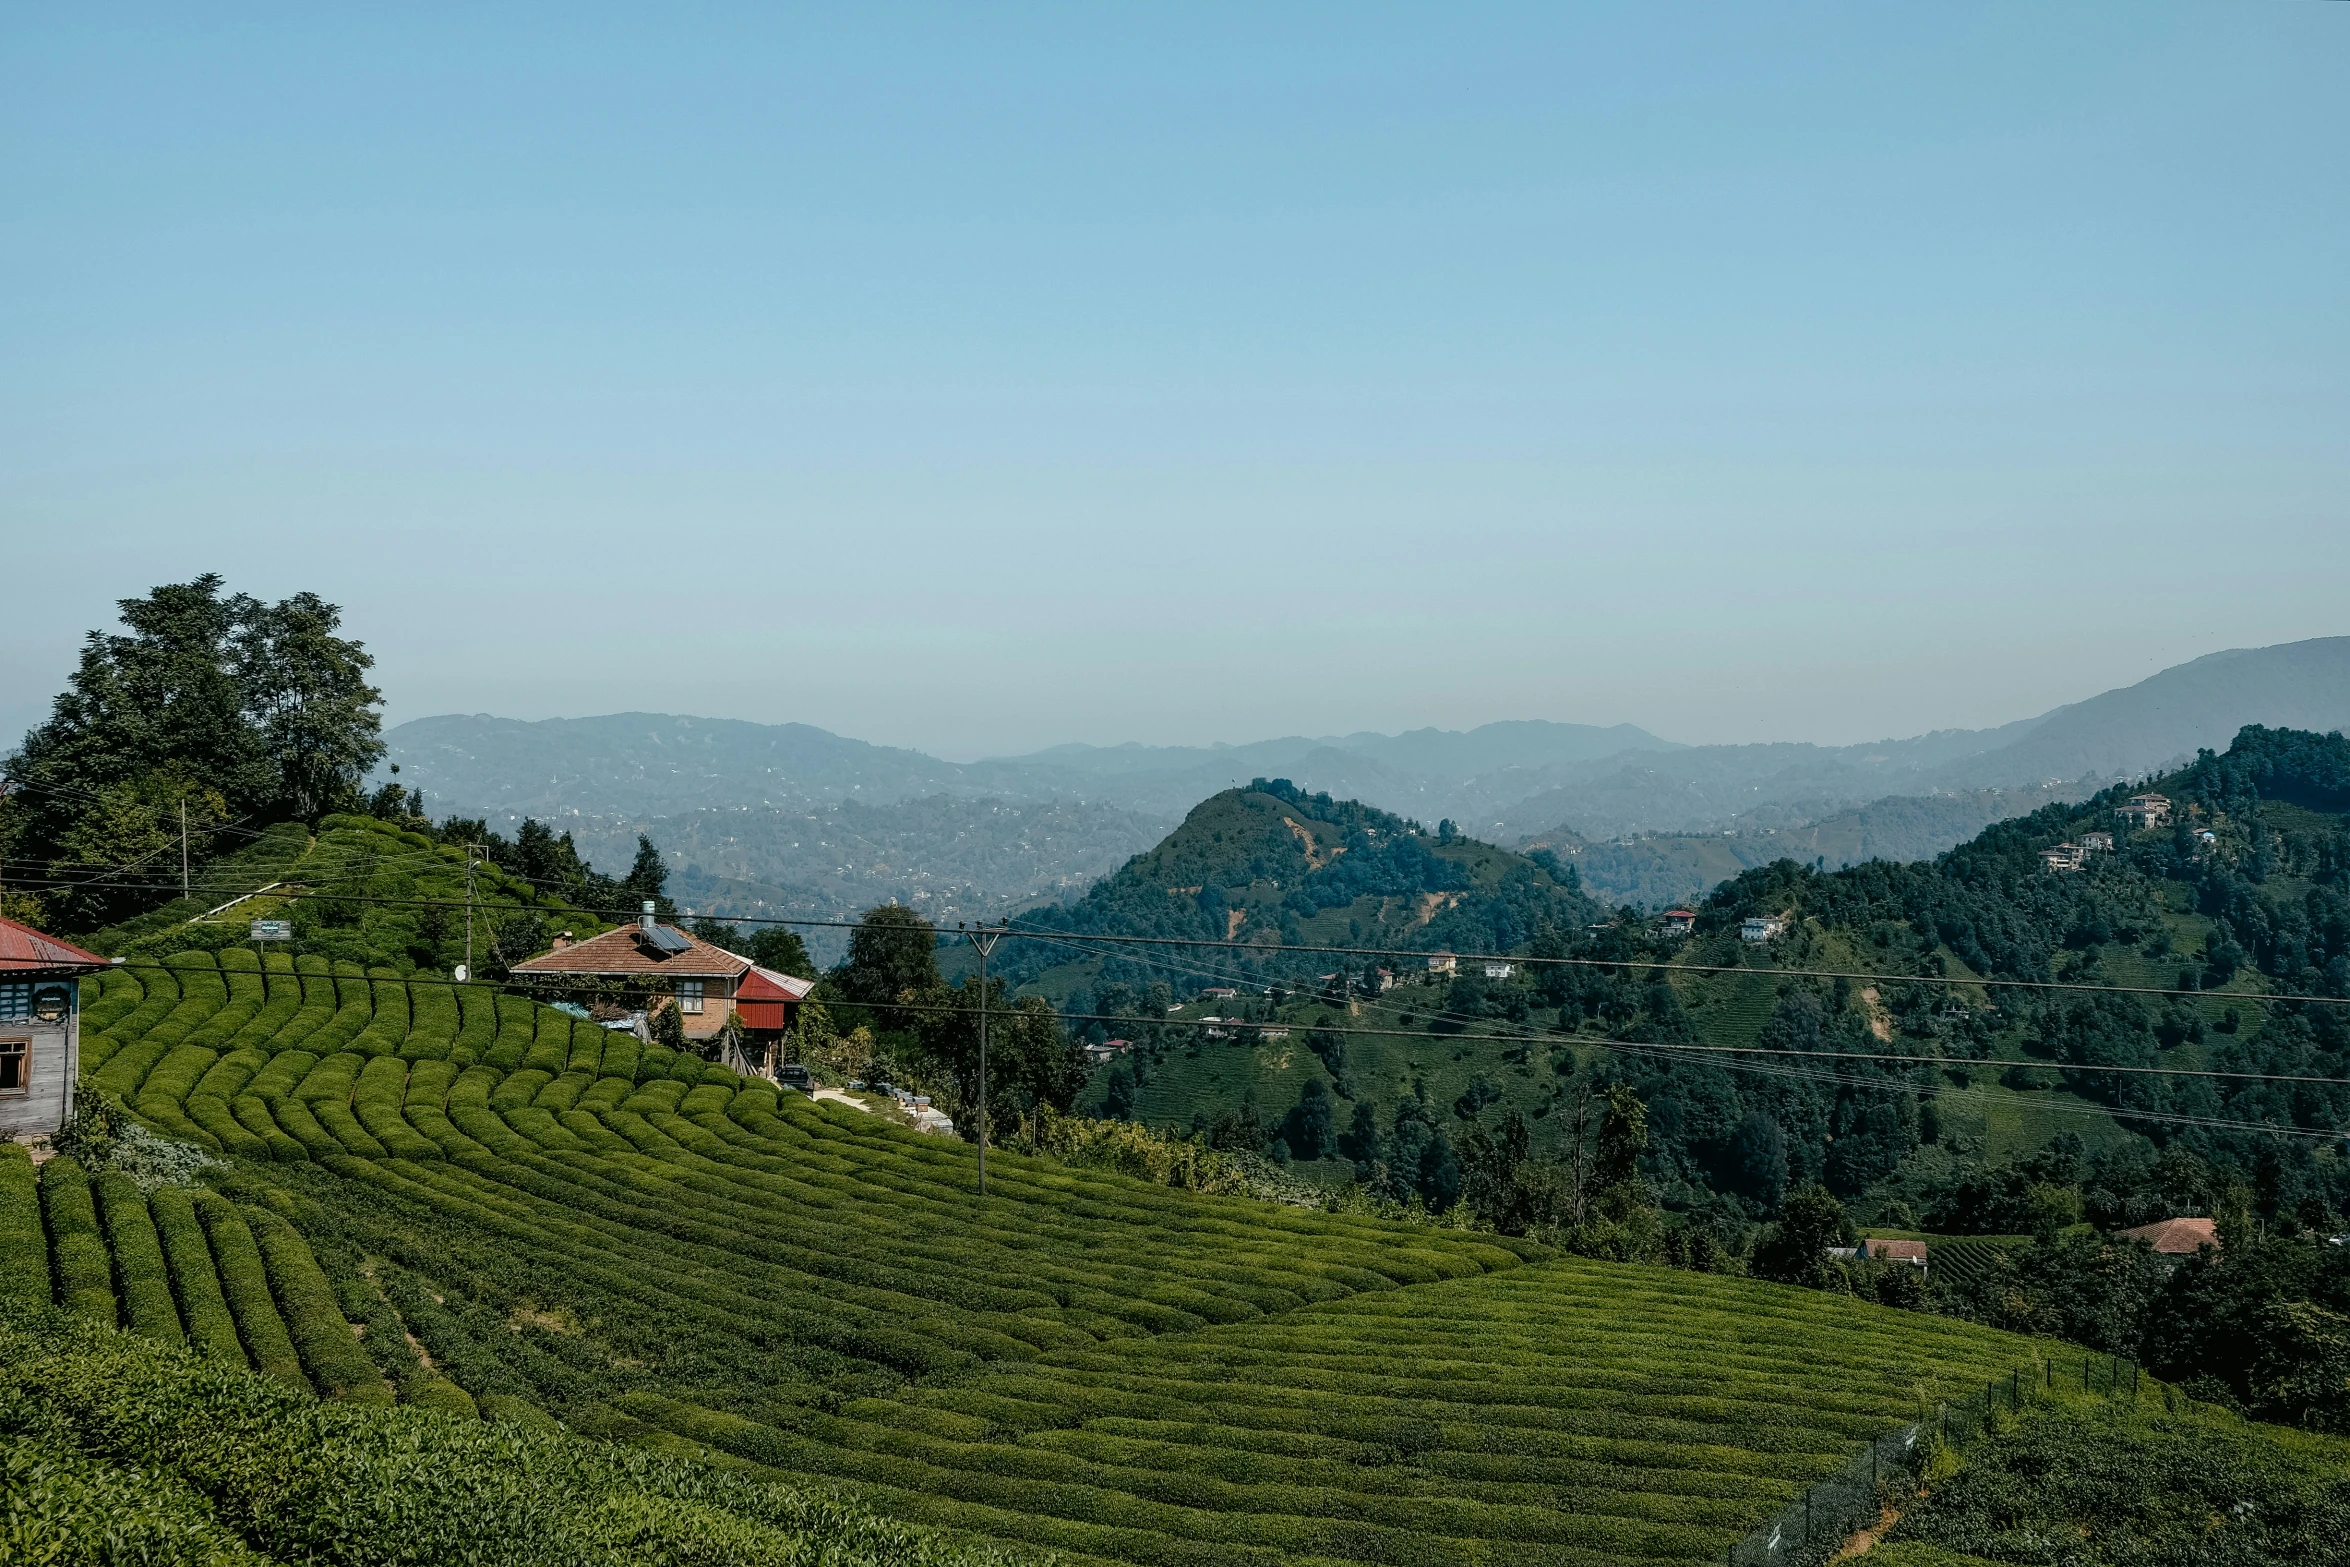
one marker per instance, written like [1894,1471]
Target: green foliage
[115,1454]
[139,1271]
[244,1284]
[231,707]
[1795,1249]
[77,1251]
[24,1242]
[306,1302]
[211,1329]
[2106,1484]
[1154,1369]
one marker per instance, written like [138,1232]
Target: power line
[619,917]
[532,990]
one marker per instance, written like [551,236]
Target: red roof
[2176,1237]
[22,947]
[1680,914]
[765,984]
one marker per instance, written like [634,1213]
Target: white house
[1762,927]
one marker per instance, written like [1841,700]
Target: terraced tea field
[530,1215]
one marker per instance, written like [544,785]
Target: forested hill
[2255,844]
[1274,867]
[2244,892]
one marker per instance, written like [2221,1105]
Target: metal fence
[1816,1524]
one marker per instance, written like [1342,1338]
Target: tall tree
[236,708]
[305,692]
[893,952]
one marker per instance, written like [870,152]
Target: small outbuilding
[40,1028]
[2176,1237]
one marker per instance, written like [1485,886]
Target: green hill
[360,890]
[443,1196]
[2246,890]
[1272,867]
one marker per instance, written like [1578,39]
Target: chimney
[644,921]
[562,940]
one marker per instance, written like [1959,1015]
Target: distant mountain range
[816,820]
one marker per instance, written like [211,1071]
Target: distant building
[1386,980]
[1500,970]
[1213,1028]
[40,1028]
[1679,922]
[2143,811]
[2176,1237]
[2064,857]
[1442,963]
[705,982]
[1275,1031]
[1762,927]
[1879,1249]
[1218,993]
[2097,842]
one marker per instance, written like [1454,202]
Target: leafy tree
[1795,1249]
[648,877]
[779,948]
[1118,1093]
[304,689]
[1310,1129]
[893,954]
[242,710]
[1361,1141]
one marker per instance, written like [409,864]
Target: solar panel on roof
[668,940]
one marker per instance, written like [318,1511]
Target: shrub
[244,1282]
[338,1367]
[77,1253]
[139,1272]
[24,1243]
[211,1330]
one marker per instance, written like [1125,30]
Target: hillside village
[374,1119]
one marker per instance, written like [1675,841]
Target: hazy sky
[978,378]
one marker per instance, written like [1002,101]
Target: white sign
[273,930]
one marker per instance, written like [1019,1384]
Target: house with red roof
[705,982]
[40,1028]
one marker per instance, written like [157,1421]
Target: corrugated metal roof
[765,984]
[24,949]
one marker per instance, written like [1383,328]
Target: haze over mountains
[788,818]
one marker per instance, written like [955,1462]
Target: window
[16,1000]
[689,995]
[16,1066]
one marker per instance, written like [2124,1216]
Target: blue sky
[983,378]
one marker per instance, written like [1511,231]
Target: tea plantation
[448,1197]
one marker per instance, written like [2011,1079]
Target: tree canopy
[219,705]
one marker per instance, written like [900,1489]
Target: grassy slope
[116,1451]
[655,1252]
[348,857]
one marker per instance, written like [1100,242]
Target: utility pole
[471,851]
[183,845]
[985,941]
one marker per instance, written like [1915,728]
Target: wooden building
[40,1028]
